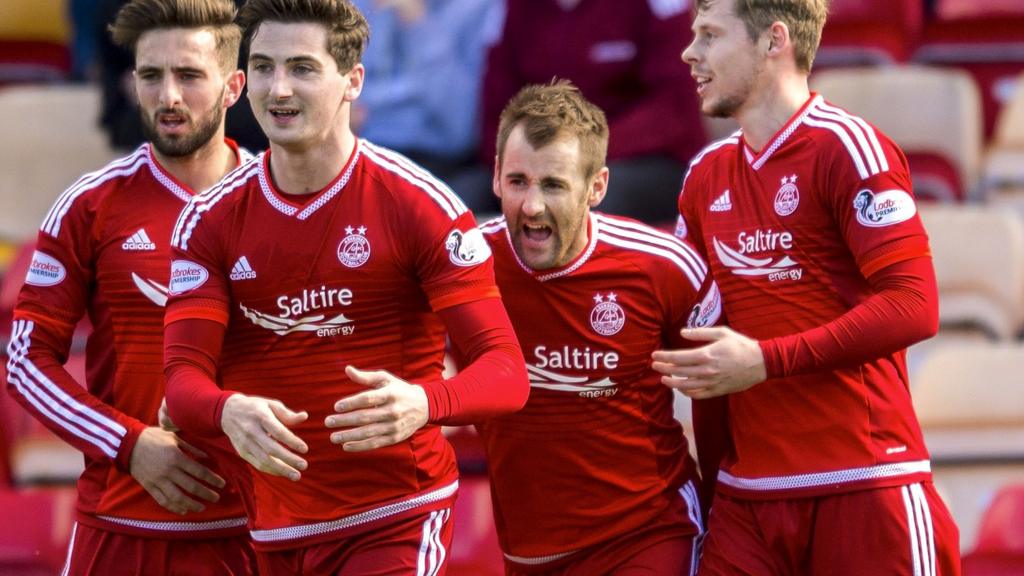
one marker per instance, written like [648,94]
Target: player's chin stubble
[180,146]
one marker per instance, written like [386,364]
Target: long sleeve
[194,400]
[903,310]
[494,380]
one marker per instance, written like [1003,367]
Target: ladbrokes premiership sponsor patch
[884,208]
[45,270]
[186,276]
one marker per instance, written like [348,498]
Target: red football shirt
[352,277]
[596,452]
[791,234]
[103,251]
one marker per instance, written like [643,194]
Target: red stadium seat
[475,549]
[985,38]
[867,32]
[35,531]
[1000,549]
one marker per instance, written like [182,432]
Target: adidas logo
[139,241]
[723,203]
[242,271]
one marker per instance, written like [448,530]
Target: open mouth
[537,232]
[284,113]
[170,120]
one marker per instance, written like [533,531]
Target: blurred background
[942,77]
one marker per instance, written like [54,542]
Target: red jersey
[596,452]
[352,277]
[791,234]
[103,251]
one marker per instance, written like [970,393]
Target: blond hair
[804,18]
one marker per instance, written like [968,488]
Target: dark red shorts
[96,551]
[903,530]
[418,545]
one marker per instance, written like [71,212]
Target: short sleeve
[198,286]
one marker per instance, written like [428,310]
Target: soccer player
[593,476]
[103,251]
[310,295]
[808,222]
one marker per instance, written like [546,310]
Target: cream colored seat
[1004,161]
[970,403]
[924,110]
[979,266]
[50,139]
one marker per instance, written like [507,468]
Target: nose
[280,88]
[689,54]
[170,92]
[533,202]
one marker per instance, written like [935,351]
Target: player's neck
[310,168]
[204,167]
[771,109]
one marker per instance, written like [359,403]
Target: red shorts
[666,546]
[96,551]
[903,530]
[418,545]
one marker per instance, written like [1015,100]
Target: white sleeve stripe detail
[126,167]
[867,152]
[494,225]
[643,233]
[20,354]
[850,148]
[55,404]
[439,192]
[418,170]
[867,128]
[192,213]
[695,281]
[733,139]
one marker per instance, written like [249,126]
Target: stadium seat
[475,549]
[984,38]
[933,114]
[35,531]
[979,267]
[51,138]
[866,32]
[33,41]
[1000,547]
[1004,161]
[970,404]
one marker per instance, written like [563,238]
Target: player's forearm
[494,381]
[37,379]
[194,400]
[902,311]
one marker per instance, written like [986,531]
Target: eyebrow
[290,60]
[175,69]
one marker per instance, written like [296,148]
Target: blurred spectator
[625,57]
[424,65]
[120,114]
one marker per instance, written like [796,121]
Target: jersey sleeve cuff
[772,358]
[123,462]
[196,312]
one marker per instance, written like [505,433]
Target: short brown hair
[347,30]
[804,18]
[140,16]
[546,111]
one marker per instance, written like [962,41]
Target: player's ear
[496,179]
[777,38]
[598,187]
[234,85]
[355,82]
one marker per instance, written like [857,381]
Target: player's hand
[173,478]
[164,418]
[387,414]
[258,429]
[731,362]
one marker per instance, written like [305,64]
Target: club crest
[607,317]
[354,249]
[788,197]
